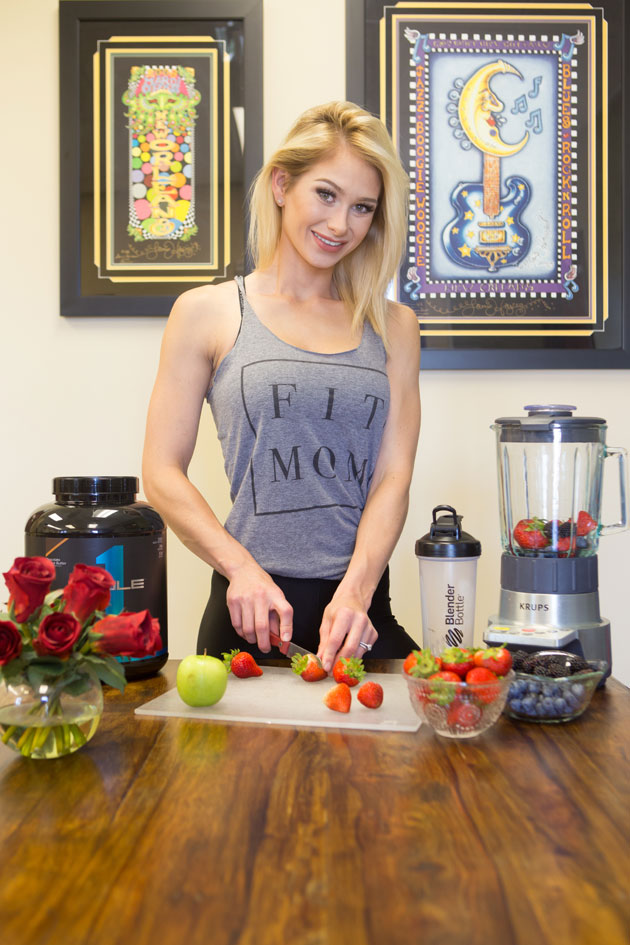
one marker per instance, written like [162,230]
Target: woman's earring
[280,202]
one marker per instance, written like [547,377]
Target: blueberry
[518,688]
[581,542]
[547,703]
[534,686]
[553,689]
[571,701]
[540,709]
[529,705]
[516,705]
[578,690]
[561,706]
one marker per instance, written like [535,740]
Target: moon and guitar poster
[500,115]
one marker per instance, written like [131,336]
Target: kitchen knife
[289,648]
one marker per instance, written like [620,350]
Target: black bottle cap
[446,538]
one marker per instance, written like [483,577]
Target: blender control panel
[543,637]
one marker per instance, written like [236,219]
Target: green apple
[201,679]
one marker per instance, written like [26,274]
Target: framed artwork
[161,135]
[511,121]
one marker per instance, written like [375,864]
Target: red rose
[10,642]
[57,635]
[128,634]
[87,590]
[29,581]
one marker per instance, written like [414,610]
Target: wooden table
[172,831]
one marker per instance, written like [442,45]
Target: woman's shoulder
[206,318]
[206,302]
[402,323]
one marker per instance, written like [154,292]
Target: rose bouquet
[56,647]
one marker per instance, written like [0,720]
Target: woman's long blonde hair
[361,279]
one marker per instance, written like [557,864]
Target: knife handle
[283,645]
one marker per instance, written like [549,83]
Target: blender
[550,467]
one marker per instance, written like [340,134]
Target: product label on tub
[136,563]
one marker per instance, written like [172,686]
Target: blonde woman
[312,378]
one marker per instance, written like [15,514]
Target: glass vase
[55,718]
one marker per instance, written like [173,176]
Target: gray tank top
[300,433]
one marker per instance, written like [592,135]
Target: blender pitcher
[550,466]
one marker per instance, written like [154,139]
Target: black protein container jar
[96,520]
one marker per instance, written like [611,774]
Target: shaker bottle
[447,559]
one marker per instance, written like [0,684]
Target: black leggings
[308,597]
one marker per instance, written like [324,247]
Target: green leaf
[52,596]
[108,670]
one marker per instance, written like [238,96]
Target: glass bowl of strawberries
[461,692]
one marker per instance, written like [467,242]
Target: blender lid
[550,422]
[445,539]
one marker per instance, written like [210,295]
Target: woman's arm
[345,622]
[201,329]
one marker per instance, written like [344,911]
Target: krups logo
[535,607]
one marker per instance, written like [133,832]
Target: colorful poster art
[161,104]
[161,160]
[497,115]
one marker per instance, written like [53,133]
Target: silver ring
[366,646]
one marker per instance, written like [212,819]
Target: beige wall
[74,392]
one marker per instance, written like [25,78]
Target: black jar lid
[446,539]
[95,488]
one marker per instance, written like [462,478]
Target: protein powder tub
[96,520]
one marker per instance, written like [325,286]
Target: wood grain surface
[174,831]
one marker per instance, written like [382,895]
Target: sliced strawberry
[349,669]
[339,698]
[585,523]
[242,665]
[370,694]
[308,667]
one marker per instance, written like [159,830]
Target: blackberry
[518,658]
[579,665]
[556,529]
[530,664]
[556,668]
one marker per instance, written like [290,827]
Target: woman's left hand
[345,625]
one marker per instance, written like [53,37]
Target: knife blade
[289,648]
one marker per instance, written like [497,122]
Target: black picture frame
[219,43]
[370,79]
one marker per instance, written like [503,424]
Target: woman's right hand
[257,605]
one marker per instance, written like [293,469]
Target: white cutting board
[279,697]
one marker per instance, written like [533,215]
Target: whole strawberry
[495,658]
[370,694]
[308,667]
[425,664]
[349,670]
[241,664]
[443,687]
[486,694]
[530,535]
[458,660]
